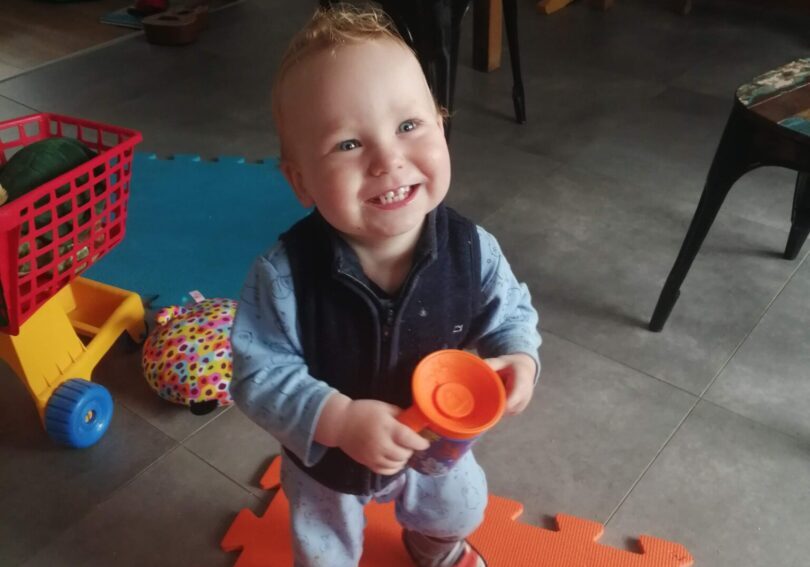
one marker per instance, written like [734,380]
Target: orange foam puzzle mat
[501,539]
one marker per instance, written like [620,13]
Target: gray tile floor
[699,434]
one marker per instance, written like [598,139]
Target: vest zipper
[385,326]
[385,346]
[373,482]
[388,324]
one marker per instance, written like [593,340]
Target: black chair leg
[459,8]
[432,28]
[518,98]
[439,56]
[800,218]
[729,164]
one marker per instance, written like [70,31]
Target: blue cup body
[442,455]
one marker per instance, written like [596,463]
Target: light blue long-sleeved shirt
[271,383]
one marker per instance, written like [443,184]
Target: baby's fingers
[516,404]
[397,456]
[392,459]
[388,466]
[496,363]
[407,438]
[519,394]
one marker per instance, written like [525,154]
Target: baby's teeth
[391,197]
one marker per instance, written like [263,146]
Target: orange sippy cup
[456,398]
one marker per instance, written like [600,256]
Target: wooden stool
[769,126]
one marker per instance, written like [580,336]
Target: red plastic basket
[55,232]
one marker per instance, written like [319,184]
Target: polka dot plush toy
[187,356]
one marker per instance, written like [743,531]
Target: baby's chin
[376,233]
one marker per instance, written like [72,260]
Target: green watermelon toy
[38,163]
[29,168]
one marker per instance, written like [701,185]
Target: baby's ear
[296,181]
[441,117]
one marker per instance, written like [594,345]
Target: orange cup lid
[458,393]
[454,400]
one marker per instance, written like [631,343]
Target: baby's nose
[385,160]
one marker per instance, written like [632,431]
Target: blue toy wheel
[78,413]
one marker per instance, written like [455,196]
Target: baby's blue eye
[407,126]
[348,145]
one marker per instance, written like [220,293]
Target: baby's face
[363,140]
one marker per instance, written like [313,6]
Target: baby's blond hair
[329,29]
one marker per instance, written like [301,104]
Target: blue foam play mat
[197,224]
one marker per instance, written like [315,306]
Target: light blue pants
[327,526]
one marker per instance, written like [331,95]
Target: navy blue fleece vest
[366,344]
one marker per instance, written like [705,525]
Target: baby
[334,318]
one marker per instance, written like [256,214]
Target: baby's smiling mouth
[393,196]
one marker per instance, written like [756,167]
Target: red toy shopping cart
[48,237]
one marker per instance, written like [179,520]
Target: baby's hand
[371,435]
[517,372]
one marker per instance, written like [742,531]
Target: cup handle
[413,418]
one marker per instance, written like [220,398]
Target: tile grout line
[31,108]
[225,475]
[183,444]
[753,328]
[705,390]
[92,48]
[137,475]
[78,53]
[616,361]
[204,425]
[156,462]
[221,472]
[115,491]
[177,445]
[652,461]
